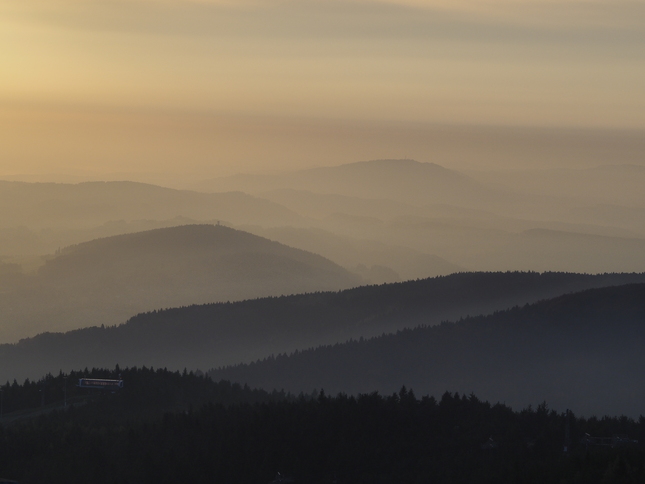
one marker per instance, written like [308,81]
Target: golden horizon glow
[570,63]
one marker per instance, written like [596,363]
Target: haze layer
[148,88]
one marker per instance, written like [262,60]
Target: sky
[148,88]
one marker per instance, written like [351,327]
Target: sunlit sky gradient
[158,86]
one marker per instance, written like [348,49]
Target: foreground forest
[166,427]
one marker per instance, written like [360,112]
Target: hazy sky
[110,86]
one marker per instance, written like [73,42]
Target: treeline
[146,393]
[368,438]
[582,351]
[212,335]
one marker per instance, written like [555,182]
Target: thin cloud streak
[352,18]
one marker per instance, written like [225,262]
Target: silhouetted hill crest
[182,241]
[105,281]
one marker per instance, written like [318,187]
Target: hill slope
[582,351]
[213,335]
[105,281]
[363,256]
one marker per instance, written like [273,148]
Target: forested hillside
[582,351]
[165,427]
[212,335]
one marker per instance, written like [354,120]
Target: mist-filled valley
[441,212]
[385,220]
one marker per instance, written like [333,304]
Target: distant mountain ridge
[212,335]
[471,222]
[406,180]
[40,203]
[393,219]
